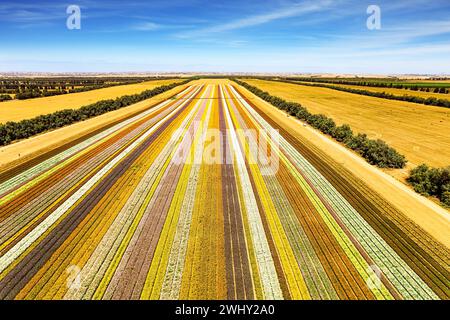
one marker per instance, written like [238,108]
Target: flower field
[205,197]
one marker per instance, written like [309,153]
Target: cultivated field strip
[383,256]
[205,197]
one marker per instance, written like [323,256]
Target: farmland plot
[415,130]
[201,198]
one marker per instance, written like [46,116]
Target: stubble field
[397,92]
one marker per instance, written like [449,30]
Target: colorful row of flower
[177,203]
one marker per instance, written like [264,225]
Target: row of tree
[100,86]
[5,97]
[388,84]
[37,93]
[29,94]
[431,182]
[28,89]
[12,131]
[19,84]
[376,152]
[427,101]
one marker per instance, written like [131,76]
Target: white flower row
[95,268]
[269,281]
[317,280]
[172,280]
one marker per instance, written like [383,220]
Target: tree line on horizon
[431,87]
[44,87]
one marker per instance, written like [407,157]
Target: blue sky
[226,36]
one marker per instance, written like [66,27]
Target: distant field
[398,92]
[404,82]
[16,110]
[420,132]
[424,83]
[438,81]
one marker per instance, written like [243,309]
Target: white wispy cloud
[146,26]
[29,16]
[294,10]
[394,37]
[421,29]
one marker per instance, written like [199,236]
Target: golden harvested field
[16,110]
[420,132]
[428,81]
[398,92]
